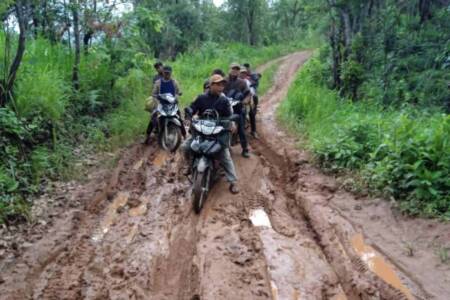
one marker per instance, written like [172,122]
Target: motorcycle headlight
[208,128]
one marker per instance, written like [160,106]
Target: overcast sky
[218,2]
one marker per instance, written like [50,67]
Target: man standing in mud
[254,83]
[237,88]
[214,99]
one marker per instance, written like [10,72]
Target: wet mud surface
[135,235]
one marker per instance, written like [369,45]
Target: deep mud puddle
[378,265]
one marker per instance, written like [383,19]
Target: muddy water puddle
[141,209]
[378,265]
[110,216]
[160,159]
[259,218]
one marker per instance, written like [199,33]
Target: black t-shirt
[234,87]
[209,101]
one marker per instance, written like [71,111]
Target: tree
[249,13]
[7,82]
[76,31]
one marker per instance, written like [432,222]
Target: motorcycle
[205,146]
[169,123]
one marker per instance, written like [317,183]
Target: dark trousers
[253,112]
[241,131]
[152,123]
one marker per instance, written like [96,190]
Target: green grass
[267,79]
[404,154]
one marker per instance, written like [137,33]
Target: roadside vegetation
[377,105]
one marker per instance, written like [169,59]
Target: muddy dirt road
[136,236]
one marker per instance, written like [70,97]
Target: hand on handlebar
[233,127]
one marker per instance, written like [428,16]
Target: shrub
[403,153]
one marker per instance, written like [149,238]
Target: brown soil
[291,233]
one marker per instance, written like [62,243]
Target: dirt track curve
[136,237]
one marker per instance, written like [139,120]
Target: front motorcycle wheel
[200,189]
[171,137]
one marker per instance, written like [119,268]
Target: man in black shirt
[236,88]
[214,99]
[254,79]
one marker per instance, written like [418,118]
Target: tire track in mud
[343,247]
[138,238]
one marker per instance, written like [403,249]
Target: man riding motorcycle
[233,87]
[213,99]
[164,85]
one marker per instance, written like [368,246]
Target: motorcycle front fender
[175,121]
[203,164]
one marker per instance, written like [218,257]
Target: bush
[400,153]
[43,94]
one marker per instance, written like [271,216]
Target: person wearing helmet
[214,99]
[237,89]
[163,85]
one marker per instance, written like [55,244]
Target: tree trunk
[7,84]
[334,41]
[346,22]
[251,16]
[66,16]
[86,40]
[36,22]
[76,31]
[295,11]
[424,10]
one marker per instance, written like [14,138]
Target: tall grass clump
[401,153]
